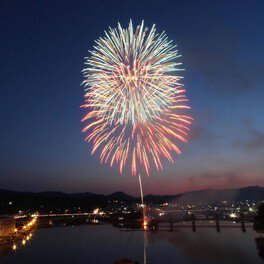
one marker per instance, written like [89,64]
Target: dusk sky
[43,45]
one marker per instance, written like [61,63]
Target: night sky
[43,44]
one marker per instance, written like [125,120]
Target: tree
[259,219]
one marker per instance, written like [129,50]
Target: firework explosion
[135,98]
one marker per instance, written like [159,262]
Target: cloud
[228,68]
[227,178]
[254,139]
[255,142]
[200,132]
[205,180]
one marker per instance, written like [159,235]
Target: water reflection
[145,247]
[125,261]
[208,246]
[15,242]
[76,244]
[15,237]
[260,246]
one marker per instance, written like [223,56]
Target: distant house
[7,225]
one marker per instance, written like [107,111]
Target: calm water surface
[105,244]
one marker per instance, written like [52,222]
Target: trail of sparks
[134,99]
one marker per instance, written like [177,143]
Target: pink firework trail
[134,98]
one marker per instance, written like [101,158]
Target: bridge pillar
[193,223]
[171,225]
[217,223]
[242,223]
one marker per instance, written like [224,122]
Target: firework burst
[134,97]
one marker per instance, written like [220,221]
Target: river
[102,244]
